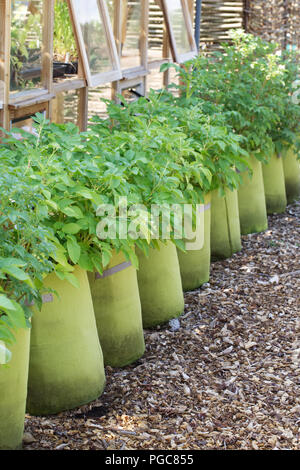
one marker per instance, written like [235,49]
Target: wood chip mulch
[228,378]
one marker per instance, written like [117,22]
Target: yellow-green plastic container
[225,232]
[66,367]
[160,285]
[13,392]
[274,185]
[291,168]
[195,264]
[118,312]
[252,201]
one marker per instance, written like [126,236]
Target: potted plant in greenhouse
[66,367]
[224,156]
[25,249]
[165,179]
[64,44]
[219,153]
[25,52]
[144,173]
[286,135]
[241,79]
[273,175]
[26,62]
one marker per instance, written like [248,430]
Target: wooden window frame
[4,62]
[27,97]
[180,58]
[141,70]
[166,59]
[94,80]
[125,84]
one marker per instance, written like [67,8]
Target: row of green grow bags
[65,358]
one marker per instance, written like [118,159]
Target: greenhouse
[149,226]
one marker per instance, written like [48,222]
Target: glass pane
[26,45]
[129,96]
[88,16]
[65,107]
[65,62]
[26,124]
[110,6]
[178,26]
[96,107]
[131,33]
[71,106]
[156,32]
[155,81]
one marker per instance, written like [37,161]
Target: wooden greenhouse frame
[20,106]
[178,56]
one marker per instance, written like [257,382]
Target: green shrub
[25,249]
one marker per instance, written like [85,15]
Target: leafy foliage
[158,150]
[25,247]
[215,150]
[248,81]
[63,36]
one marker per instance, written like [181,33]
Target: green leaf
[18,274]
[96,260]
[106,257]
[71,228]
[72,280]
[6,335]
[73,211]
[180,244]
[85,262]
[5,303]
[86,193]
[17,316]
[74,250]
[60,258]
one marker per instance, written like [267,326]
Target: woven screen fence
[274,20]
[218,18]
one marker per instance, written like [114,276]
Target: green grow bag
[291,168]
[66,364]
[252,202]
[13,391]
[160,285]
[195,264]
[118,312]
[225,232]
[274,185]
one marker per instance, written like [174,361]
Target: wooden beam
[47,49]
[82,109]
[5,20]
